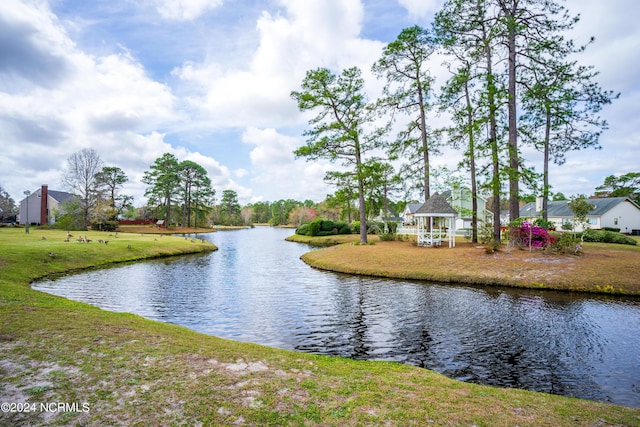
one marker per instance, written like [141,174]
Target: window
[592,220]
[615,221]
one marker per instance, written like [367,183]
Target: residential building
[461,199]
[42,205]
[409,213]
[612,212]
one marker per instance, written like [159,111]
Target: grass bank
[603,268]
[327,241]
[121,369]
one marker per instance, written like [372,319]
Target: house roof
[436,205]
[60,196]
[413,207]
[561,208]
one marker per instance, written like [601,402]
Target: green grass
[133,371]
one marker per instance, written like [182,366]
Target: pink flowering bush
[529,235]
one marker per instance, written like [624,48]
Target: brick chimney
[44,197]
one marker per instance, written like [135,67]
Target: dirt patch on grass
[31,386]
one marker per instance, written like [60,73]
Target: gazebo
[436,222]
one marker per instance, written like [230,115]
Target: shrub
[303,230]
[617,230]
[492,246]
[529,235]
[315,227]
[319,227]
[604,236]
[565,244]
[105,225]
[485,233]
[392,227]
[327,225]
[343,228]
[375,227]
[69,222]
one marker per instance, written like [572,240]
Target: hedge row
[604,236]
[320,227]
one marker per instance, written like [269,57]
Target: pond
[256,289]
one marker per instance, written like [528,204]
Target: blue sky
[209,81]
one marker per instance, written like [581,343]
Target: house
[461,199]
[612,212]
[409,212]
[40,206]
[388,217]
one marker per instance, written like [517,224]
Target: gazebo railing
[432,238]
[407,229]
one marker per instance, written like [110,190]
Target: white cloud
[272,149]
[273,163]
[185,10]
[305,35]
[240,173]
[108,103]
[421,8]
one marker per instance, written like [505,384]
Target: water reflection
[256,289]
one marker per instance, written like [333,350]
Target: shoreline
[602,269]
[130,370]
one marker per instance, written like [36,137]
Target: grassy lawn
[121,369]
[603,268]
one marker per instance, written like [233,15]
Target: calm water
[256,289]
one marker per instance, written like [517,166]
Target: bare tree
[79,178]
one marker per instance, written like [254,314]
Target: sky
[210,81]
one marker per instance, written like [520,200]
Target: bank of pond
[256,289]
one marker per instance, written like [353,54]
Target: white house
[461,199]
[40,206]
[408,216]
[614,212]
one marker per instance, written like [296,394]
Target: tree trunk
[545,178]
[514,202]
[363,215]
[425,144]
[472,167]
[493,139]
